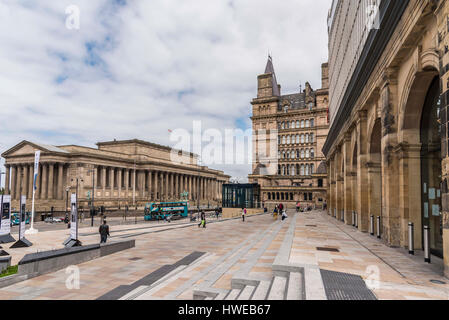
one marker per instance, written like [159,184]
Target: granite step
[295,286]
[233,294]
[278,288]
[247,292]
[261,291]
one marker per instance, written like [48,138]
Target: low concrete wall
[236,212]
[36,264]
[5,262]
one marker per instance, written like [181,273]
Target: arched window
[293,124]
[312,169]
[293,154]
[283,154]
[297,139]
[302,154]
[279,170]
[312,138]
[287,125]
[307,124]
[288,139]
[283,170]
[288,171]
[302,123]
[298,154]
[312,153]
[307,169]
[283,139]
[312,123]
[293,170]
[302,138]
[297,124]
[283,125]
[297,169]
[302,169]
[307,154]
[307,138]
[288,154]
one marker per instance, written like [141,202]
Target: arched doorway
[430,134]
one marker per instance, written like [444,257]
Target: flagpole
[36,171]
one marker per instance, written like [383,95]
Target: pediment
[28,148]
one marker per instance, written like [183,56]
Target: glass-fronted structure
[241,195]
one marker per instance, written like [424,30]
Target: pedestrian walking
[243,214]
[203,220]
[284,215]
[104,232]
[217,213]
[275,212]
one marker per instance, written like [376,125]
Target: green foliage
[9,271]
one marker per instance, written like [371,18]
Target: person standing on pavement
[243,214]
[104,232]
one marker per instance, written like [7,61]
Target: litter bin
[43,217]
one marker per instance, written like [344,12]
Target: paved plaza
[183,261]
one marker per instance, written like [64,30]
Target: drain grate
[135,259]
[327,249]
[345,286]
[437,281]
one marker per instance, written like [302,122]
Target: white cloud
[152,65]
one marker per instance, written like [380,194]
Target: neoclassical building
[288,135]
[116,174]
[387,152]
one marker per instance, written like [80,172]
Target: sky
[138,68]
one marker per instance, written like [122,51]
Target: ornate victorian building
[288,134]
[116,174]
[387,151]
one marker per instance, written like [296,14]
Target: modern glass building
[241,195]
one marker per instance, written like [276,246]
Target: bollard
[427,244]
[335,212]
[378,227]
[356,220]
[353,218]
[411,237]
[343,216]
[371,225]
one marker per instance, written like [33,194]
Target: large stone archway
[375,171]
[411,155]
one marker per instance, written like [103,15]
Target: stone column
[30,180]
[7,177]
[60,189]
[119,182]
[156,185]
[103,180]
[126,178]
[347,156]
[150,185]
[142,184]
[111,181]
[170,186]
[166,186]
[51,170]
[362,173]
[44,195]
[13,181]
[39,182]
[25,181]
[18,180]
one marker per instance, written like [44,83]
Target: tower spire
[269,69]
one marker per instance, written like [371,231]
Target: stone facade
[288,135]
[389,129]
[117,174]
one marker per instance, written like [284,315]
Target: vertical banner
[22,226]
[5,228]
[74,218]
[37,156]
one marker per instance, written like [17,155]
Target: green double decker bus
[164,210]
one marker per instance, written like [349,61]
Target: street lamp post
[198,184]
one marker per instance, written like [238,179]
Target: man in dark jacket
[104,232]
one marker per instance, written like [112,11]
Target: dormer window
[285,108]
